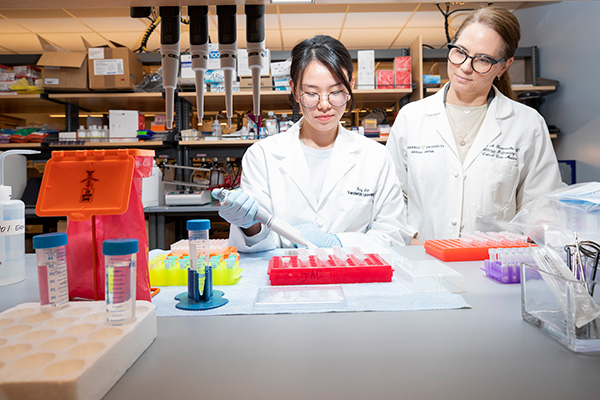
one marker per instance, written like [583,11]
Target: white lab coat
[361,200]
[510,163]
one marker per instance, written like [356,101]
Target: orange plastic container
[455,250]
[82,183]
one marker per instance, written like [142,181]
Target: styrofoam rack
[69,353]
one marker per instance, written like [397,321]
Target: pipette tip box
[291,270]
[469,250]
[70,353]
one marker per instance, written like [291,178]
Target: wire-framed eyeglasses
[480,64]
[336,99]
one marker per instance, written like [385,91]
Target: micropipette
[227,52]
[264,217]
[199,51]
[255,45]
[169,50]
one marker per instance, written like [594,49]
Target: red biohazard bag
[100,191]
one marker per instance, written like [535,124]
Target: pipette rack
[69,354]
[322,268]
[473,247]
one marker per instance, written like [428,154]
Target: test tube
[120,264]
[199,270]
[51,254]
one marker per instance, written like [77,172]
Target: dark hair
[328,51]
[507,26]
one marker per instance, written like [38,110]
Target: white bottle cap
[271,113]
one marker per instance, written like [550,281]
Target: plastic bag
[554,219]
[88,282]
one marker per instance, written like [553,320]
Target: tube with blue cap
[228,52]
[199,51]
[276,224]
[255,45]
[169,50]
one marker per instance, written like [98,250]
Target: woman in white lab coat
[336,187]
[469,157]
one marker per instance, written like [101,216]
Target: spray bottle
[12,229]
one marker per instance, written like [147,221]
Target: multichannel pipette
[169,50]
[228,52]
[255,45]
[199,51]
[264,217]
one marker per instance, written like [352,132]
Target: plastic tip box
[327,269]
[473,247]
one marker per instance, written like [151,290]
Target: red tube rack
[290,270]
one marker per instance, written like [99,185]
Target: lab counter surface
[487,352]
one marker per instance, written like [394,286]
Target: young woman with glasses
[469,157]
[336,187]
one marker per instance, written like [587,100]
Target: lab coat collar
[293,162]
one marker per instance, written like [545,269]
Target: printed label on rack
[108,67]
[12,227]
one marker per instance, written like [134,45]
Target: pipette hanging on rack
[226,16]
[255,45]
[169,50]
[199,51]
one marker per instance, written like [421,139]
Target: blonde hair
[507,26]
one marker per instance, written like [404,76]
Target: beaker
[51,254]
[120,264]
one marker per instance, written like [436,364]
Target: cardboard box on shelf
[246,83]
[113,66]
[124,125]
[366,69]
[63,70]
[402,71]
[385,79]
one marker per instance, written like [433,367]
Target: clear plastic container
[51,253]
[120,264]
[12,238]
[271,124]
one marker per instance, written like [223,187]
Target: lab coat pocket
[354,215]
[497,188]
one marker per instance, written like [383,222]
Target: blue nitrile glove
[240,210]
[316,236]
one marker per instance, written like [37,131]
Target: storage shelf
[101,102]
[34,146]
[515,88]
[99,145]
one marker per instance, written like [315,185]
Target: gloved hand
[316,236]
[240,210]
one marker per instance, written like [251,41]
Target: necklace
[478,119]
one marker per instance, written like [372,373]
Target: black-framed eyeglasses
[336,99]
[480,64]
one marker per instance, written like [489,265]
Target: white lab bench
[487,352]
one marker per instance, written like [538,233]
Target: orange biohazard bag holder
[100,192]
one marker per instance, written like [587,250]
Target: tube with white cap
[169,50]
[264,217]
[255,45]
[228,52]
[199,51]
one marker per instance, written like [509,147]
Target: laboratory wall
[567,36]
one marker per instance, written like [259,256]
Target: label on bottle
[12,227]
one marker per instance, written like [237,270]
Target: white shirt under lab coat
[510,163]
[361,199]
